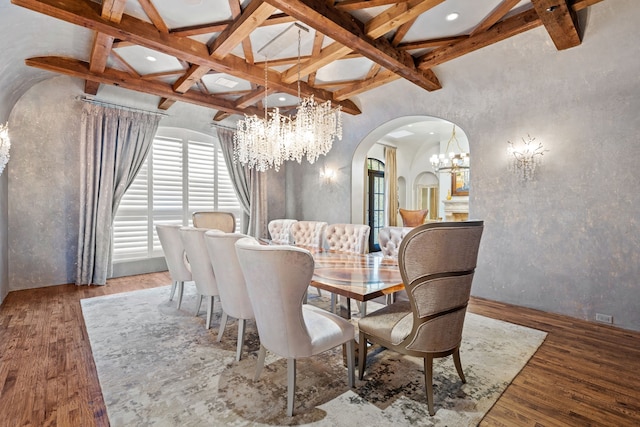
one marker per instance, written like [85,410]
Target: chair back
[413,218]
[223,221]
[308,233]
[231,284]
[389,239]
[174,254]
[349,238]
[201,269]
[437,262]
[280,230]
[277,279]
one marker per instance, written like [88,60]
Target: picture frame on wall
[460,182]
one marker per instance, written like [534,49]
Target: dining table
[361,277]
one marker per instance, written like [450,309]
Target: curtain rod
[215,125]
[124,107]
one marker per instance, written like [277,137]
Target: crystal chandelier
[455,161]
[264,143]
[525,158]
[5,145]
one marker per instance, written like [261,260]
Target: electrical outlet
[605,318]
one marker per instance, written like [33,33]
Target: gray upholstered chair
[173,249]
[201,269]
[223,221]
[277,278]
[231,285]
[437,263]
[350,239]
[309,234]
[280,230]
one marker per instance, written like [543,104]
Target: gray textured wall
[568,242]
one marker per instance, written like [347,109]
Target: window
[375,205]
[183,173]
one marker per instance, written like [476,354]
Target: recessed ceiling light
[226,82]
[282,98]
[453,16]
[432,133]
[151,58]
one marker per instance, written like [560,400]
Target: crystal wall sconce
[525,157]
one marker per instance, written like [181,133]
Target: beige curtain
[391,184]
[250,186]
[114,143]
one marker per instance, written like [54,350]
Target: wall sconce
[5,144]
[525,158]
[327,175]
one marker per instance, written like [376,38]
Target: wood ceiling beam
[87,14]
[217,27]
[397,15]
[251,18]
[431,43]
[383,77]
[165,103]
[496,14]
[152,13]
[364,4]
[509,27]
[326,56]
[341,27]
[76,68]
[561,22]
[102,43]
[252,97]
[220,115]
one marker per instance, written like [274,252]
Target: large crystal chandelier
[5,145]
[453,162]
[264,143]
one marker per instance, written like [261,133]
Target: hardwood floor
[584,374]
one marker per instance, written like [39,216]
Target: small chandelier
[5,145]
[525,158]
[264,143]
[455,161]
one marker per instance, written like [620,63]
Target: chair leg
[428,382]
[210,311]
[351,362]
[319,292]
[362,355]
[173,290]
[333,303]
[241,327]
[456,361]
[199,304]
[262,354]
[291,384]
[223,325]
[180,293]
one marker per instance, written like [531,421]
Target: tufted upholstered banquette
[308,233]
[351,238]
[389,239]
[280,230]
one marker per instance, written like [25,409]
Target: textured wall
[570,241]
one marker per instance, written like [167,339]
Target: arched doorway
[417,138]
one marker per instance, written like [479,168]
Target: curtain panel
[391,183]
[114,144]
[250,186]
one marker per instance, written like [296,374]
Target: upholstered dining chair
[223,221]
[201,269]
[280,230]
[277,278]
[413,218]
[309,234]
[347,238]
[389,239]
[437,263]
[173,249]
[234,297]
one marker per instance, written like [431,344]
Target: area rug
[159,366]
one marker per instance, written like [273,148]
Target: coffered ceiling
[222,53]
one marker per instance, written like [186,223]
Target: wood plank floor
[584,374]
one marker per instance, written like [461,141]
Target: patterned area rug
[158,366]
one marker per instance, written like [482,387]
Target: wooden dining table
[358,277]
